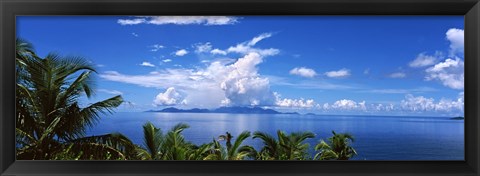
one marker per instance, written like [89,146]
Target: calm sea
[376,137]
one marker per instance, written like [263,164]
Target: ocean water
[376,137]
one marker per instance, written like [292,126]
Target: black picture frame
[11,8]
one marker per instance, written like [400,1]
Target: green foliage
[49,119]
[337,148]
[237,151]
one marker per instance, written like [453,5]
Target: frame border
[10,9]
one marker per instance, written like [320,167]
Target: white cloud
[456,38]
[134,34]
[167,60]
[342,73]
[181,52]
[397,75]
[218,51]
[114,92]
[131,21]
[247,47]
[259,38]
[147,64]
[423,60]
[450,73]
[242,84]
[180,20]
[168,98]
[294,103]
[302,71]
[422,104]
[203,47]
[156,47]
[345,104]
[237,84]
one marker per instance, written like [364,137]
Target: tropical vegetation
[51,123]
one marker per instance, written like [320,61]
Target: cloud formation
[243,85]
[248,47]
[422,104]
[221,83]
[342,73]
[218,51]
[203,47]
[450,72]
[147,64]
[180,20]
[423,60]
[294,103]
[156,47]
[302,71]
[345,104]
[456,38]
[181,52]
[168,98]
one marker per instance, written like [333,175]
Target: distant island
[228,110]
[457,118]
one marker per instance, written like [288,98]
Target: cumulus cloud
[221,83]
[181,52]
[302,71]
[134,34]
[243,85]
[167,60]
[294,103]
[348,105]
[168,98]
[156,47]
[342,73]
[450,72]
[397,75]
[421,104]
[423,60]
[147,64]
[456,38]
[180,20]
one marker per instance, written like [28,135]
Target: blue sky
[382,65]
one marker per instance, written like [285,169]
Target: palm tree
[175,147]
[153,140]
[271,147]
[237,151]
[200,152]
[287,147]
[293,145]
[337,148]
[49,117]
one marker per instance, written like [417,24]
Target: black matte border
[10,8]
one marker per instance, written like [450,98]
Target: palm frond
[153,139]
